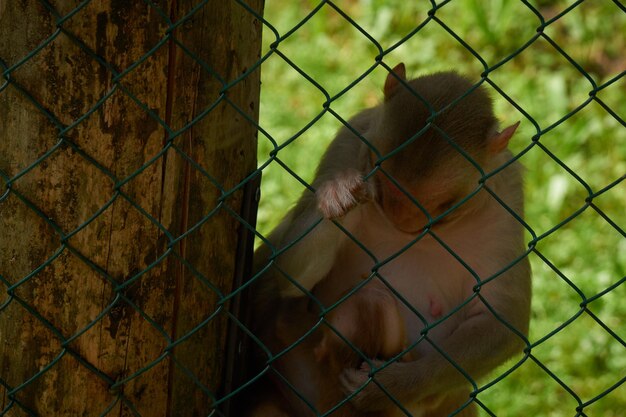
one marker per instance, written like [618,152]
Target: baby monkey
[366,325]
[416,197]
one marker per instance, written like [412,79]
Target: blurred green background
[583,257]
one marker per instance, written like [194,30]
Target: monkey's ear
[391,83]
[499,141]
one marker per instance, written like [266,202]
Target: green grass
[587,250]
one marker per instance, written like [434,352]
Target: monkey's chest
[427,281]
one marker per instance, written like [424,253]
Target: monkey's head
[434,133]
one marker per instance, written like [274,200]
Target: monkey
[421,195]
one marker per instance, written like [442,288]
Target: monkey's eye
[446,205]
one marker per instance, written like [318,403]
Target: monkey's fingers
[362,192]
[333,203]
[336,197]
[353,380]
[367,366]
[369,396]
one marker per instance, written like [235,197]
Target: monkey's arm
[479,344]
[308,240]
[308,251]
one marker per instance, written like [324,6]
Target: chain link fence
[558,67]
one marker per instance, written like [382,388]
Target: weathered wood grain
[92,288]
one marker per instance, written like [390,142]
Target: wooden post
[121,139]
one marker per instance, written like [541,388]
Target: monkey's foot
[369,396]
[336,197]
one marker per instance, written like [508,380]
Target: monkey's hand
[369,394]
[337,196]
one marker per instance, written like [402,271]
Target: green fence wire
[594,305]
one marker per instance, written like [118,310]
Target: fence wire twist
[16,396]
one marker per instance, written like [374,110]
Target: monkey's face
[425,202]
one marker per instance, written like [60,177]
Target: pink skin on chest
[435,307]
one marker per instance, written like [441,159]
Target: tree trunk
[122,142]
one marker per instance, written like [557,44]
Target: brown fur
[380,213]
[466,122]
[324,355]
[362,320]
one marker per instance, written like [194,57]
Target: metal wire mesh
[544,39]
[592,305]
